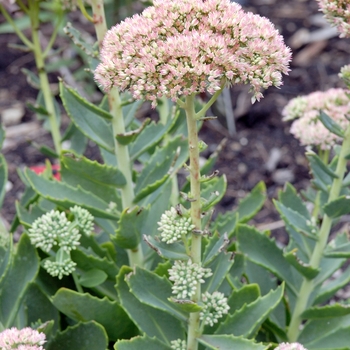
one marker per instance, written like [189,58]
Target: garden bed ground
[261,149]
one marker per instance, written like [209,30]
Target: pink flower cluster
[290,346]
[24,339]
[337,13]
[186,47]
[307,128]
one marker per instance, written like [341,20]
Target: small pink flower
[307,128]
[24,339]
[337,13]
[186,47]
[288,346]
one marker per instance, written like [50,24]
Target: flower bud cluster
[173,226]
[83,218]
[178,344]
[24,339]
[337,12]
[345,75]
[59,268]
[290,346]
[182,48]
[186,277]
[307,127]
[54,229]
[215,306]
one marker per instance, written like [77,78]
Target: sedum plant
[117,255]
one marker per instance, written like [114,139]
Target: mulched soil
[261,149]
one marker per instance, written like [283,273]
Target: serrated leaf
[27,217]
[331,125]
[23,270]
[229,342]
[328,290]
[149,137]
[328,311]
[338,207]
[337,340]
[90,335]
[215,246]
[247,320]
[92,278]
[225,223]
[88,118]
[175,251]
[138,343]
[3,178]
[77,39]
[297,221]
[290,199]
[130,136]
[128,234]
[83,307]
[212,192]
[93,171]
[252,203]
[245,295]
[154,291]
[164,161]
[305,269]
[151,321]
[68,196]
[264,252]
[220,266]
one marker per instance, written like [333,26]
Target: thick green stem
[307,285]
[194,321]
[43,78]
[121,152]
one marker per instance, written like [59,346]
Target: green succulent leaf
[130,136]
[338,207]
[138,343]
[212,192]
[297,221]
[22,271]
[229,342]
[88,118]
[90,335]
[225,223]
[331,125]
[128,234]
[245,295]
[68,196]
[175,251]
[154,291]
[305,269]
[92,278]
[84,307]
[252,203]
[247,320]
[328,311]
[216,245]
[153,322]
[264,252]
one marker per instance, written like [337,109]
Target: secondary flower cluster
[186,277]
[24,339]
[288,346]
[307,128]
[185,47]
[56,235]
[178,344]
[215,306]
[337,13]
[173,226]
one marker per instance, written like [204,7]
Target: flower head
[215,306]
[83,218]
[178,344]
[177,48]
[54,229]
[23,339]
[288,346]
[337,12]
[306,110]
[60,266]
[174,226]
[186,277]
